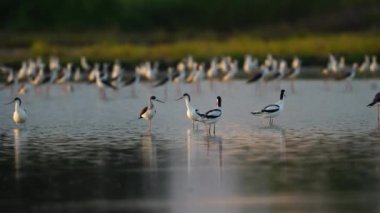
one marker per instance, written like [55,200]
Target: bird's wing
[271,108]
[143,111]
[175,76]
[130,81]
[162,82]
[214,113]
[110,85]
[255,77]
[377,97]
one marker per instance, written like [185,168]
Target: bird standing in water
[149,111]
[212,116]
[376,102]
[273,110]
[19,115]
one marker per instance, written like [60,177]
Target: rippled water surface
[79,153]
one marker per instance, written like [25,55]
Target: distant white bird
[78,77]
[181,73]
[260,75]
[231,73]
[19,114]
[149,111]
[212,72]
[250,65]
[23,89]
[40,76]
[66,75]
[84,64]
[364,67]
[273,110]
[348,74]
[374,67]
[22,72]
[91,76]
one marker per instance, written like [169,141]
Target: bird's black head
[17,99]
[186,95]
[282,94]
[219,101]
[152,97]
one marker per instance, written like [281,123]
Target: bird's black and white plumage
[255,77]
[149,111]
[103,83]
[273,110]
[212,116]
[375,101]
[161,82]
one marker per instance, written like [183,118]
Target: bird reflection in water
[149,152]
[277,133]
[17,149]
[217,141]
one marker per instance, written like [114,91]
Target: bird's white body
[190,112]
[78,75]
[374,67]
[273,110]
[151,111]
[232,71]
[212,116]
[148,112]
[279,105]
[19,115]
[250,65]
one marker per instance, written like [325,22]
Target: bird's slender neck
[150,104]
[187,101]
[17,105]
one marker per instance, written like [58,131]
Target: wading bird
[149,111]
[273,110]
[191,112]
[19,115]
[376,102]
[212,116]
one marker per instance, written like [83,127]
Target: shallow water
[79,153]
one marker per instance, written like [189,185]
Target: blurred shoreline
[313,48]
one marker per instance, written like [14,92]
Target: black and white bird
[261,74]
[19,114]
[149,111]
[273,110]
[165,79]
[212,116]
[103,83]
[376,102]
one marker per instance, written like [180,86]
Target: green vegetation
[310,47]
[135,30]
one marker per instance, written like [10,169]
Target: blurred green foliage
[190,15]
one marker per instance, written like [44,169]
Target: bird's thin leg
[193,124]
[133,91]
[214,129]
[209,129]
[378,116]
[150,124]
[292,86]
[196,125]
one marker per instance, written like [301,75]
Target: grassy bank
[313,48]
